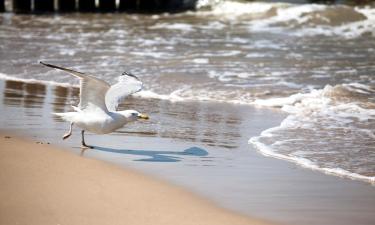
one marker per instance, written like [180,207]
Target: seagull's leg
[83,141]
[69,132]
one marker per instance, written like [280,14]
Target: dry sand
[41,184]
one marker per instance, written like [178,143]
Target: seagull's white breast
[100,122]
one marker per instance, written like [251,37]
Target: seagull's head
[126,73]
[133,115]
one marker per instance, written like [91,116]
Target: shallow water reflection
[156,156]
[208,124]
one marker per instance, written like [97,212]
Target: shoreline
[44,184]
[308,164]
[252,140]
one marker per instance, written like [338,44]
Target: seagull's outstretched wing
[127,84]
[92,90]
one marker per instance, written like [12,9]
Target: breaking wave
[330,129]
[296,19]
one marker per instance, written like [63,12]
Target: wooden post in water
[2,6]
[149,5]
[175,5]
[44,6]
[86,5]
[21,6]
[107,5]
[128,5]
[67,5]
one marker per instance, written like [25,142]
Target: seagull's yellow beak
[143,116]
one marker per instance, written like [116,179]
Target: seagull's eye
[134,114]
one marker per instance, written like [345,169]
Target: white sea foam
[157,55]
[201,60]
[348,30]
[233,9]
[227,76]
[322,99]
[259,55]
[173,97]
[222,53]
[269,151]
[296,19]
[188,93]
[215,25]
[174,26]
[69,52]
[337,117]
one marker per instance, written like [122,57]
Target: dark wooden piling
[128,5]
[67,5]
[86,5]
[44,6]
[107,5]
[171,5]
[142,6]
[2,6]
[21,6]
[149,5]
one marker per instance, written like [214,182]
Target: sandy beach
[43,184]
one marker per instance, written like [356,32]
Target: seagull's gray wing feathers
[127,84]
[92,89]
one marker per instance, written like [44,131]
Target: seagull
[98,103]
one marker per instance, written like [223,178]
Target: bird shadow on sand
[155,156]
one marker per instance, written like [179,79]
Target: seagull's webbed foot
[84,146]
[66,136]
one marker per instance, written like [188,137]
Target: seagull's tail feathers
[68,116]
[73,72]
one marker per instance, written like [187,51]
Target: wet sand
[201,147]
[42,184]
